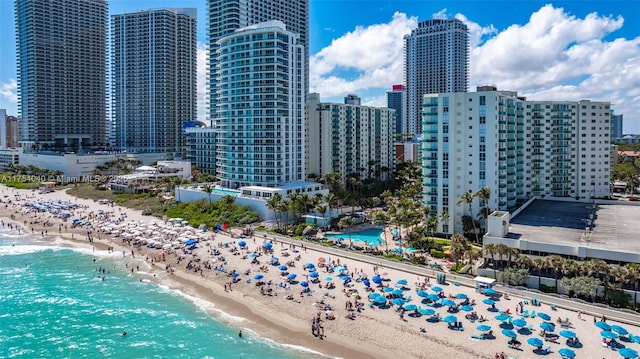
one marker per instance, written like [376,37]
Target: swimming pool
[371,237]
[226,191]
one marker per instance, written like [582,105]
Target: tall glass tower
[226,16]
[436,61]
[153,61]
[260,86]
[62,73]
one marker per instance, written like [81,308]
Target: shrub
[547,288]
[436,253]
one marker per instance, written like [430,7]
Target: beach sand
[372,333]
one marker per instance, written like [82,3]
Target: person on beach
[240,334]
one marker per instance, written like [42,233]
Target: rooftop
[616,226]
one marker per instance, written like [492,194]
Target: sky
[563,50]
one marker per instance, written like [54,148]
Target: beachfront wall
[191,194]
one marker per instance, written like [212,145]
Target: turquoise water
[371,236]
[53,304]
[226,191]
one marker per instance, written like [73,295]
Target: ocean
[55,304]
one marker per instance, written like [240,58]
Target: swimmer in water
[124,333]
[240,334]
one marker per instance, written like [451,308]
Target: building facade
[349,138]
[202,148]
[226,16]
[436,61]
[519,149]
[260,93]
[153,63]
[616,127]
[397,100]
[61,67]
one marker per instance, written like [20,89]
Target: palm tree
[484,194]
[633,272]
[538,264]
[382,217]
[344,223]
[274,204]
[322,209]
[467,198]
[490,249]
[555,263]
[208,189]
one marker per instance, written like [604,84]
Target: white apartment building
[349,138]
[517,148]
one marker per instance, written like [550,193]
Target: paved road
[587,308]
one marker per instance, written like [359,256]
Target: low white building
[144,176]
[255,197]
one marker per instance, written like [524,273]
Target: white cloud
[372,56]
[555,55]
[9,90]
[203,84]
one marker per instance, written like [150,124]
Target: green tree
[467,199]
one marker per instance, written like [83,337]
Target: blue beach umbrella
[283,268]
[304,284]
[509,333]
[314,275]
[328,278]
[252,255]
[268,245]
[489,291]
[567,353]
[397,292]
[569,334]
[380,299]
[436,289]
[635,338]
[467,308]
[397,301]
[366,283]
[274,259]
[483,327]
[235,275]
[609,335]
[503,317]
[292,276]
[309,265]
[402,282]
[427,311]
[258,276]
[603,326]
[461,296]
[242,243]
[544,316]
[489,301]
[546,326]
[433,297]
[339,269]
[450,319]
[376,279]
[411,307]
[447,302]
[535,342]
[519,322]
[387,289]
[423,294]
[620,330]
[628,353]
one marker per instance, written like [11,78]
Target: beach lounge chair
[553,307]
[533,314]
[525,314]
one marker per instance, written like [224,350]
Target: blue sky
[566,50]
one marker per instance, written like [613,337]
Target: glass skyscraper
[226,16]
[436,61]
[153,62]
[61,67]
[260,72]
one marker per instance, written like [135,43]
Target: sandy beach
[282,309]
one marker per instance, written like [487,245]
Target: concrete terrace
[616,225]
